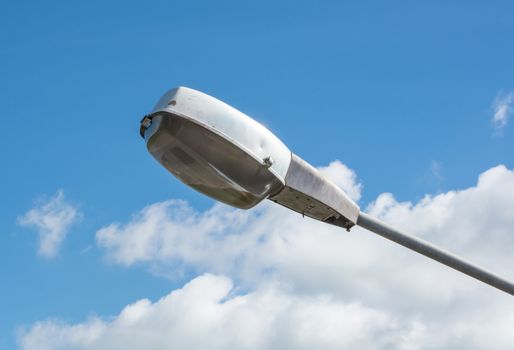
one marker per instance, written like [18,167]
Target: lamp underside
[208,162]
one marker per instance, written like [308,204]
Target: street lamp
[224,154]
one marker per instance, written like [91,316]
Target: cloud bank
[270,279]
[52,220]
[204,315]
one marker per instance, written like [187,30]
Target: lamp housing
[224,154]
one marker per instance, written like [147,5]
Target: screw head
[268,162]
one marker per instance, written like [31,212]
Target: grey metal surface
[310,193]
[368,222]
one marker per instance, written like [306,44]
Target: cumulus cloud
[52,219]
[309,283]
[219,238]
[502,108]
[272,240]
[205,315]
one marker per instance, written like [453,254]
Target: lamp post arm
[433,252]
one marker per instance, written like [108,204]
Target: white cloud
[171,231]
[271,239]
[309,282]
[502,107]
[52,219]
[205,315]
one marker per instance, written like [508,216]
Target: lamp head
[215,149]
[230,157]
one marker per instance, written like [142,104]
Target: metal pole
[434,252]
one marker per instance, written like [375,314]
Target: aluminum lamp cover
[215,149]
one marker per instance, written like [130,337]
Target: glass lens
[210,164]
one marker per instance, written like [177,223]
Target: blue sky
[403,93]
